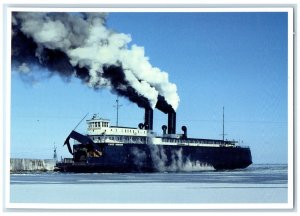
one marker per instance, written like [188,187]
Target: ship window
[104,124]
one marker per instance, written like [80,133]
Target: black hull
[159,158]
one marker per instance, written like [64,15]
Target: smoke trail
[80,45]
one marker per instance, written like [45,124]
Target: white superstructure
[101,131]
[100,126]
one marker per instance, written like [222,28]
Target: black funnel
[172,122]
[148,119]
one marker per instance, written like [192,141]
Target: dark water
[255,184]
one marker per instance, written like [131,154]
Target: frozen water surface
[256,184]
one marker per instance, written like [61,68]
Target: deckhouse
[100,130]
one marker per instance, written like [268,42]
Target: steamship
[107,148]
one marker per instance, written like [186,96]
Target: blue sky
[235,60]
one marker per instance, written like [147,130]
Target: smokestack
[149,118]
[166,108]
[172,122]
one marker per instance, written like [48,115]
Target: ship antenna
[80,121]
[117,106]
[223,134]
[223,124]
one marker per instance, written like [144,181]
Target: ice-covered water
[256,184]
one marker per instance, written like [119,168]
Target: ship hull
[161,158]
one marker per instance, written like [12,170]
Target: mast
[223,132]
[117,106]
[223,124]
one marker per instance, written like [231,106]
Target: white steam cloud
[87,43]
[177,162]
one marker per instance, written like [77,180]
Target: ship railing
[242,146]
[68,160]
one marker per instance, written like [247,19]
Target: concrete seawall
[22,164]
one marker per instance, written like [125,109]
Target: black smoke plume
[80,45]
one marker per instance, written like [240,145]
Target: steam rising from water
[178,163]
[163,163]
[80,45]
